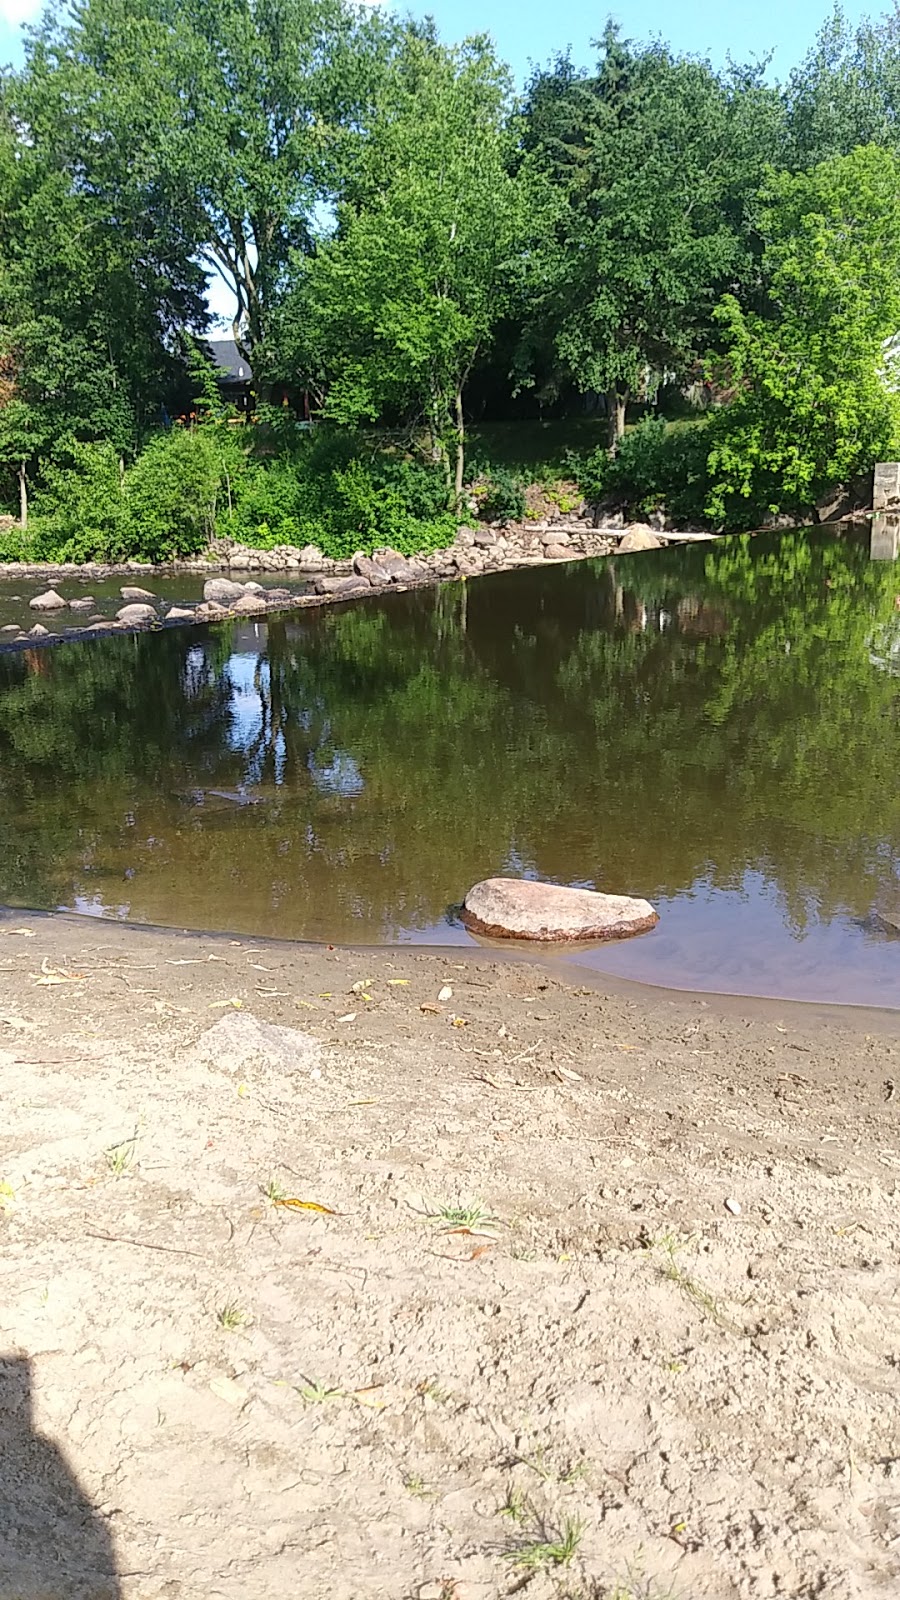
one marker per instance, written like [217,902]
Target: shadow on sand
[53,1544]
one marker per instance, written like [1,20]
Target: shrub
[329,488]
[334,490]
[505,498]
[268,506]
[659,466]
[17,544]
[179,488]
[378,513]
[80,512]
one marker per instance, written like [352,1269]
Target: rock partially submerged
[638,538]
[50,601]
[222,592]
[137,616]
[517,908]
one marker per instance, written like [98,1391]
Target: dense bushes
[659,467]
[333,489]
[504,499]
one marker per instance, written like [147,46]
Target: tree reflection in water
[686,716]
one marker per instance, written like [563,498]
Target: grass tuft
[551,1549]
[316,1393]
[473,1215]
[119,1157]
[230,1316]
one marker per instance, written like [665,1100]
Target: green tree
[90,306]
[816,386]
[398,302]
[213,128]
[652,158]
[846,92]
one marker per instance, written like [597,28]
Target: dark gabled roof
[232,366]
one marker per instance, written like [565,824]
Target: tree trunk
[460,446]
[23,496]
[616,405]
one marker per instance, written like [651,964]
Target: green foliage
[17,544]
[397,302]
[340,492]
[651,159]
[659,466]
[80,510]
[391,220]
[178,489]
[816,397]
[505,497]
[846,92]
[333,489]
[220,119]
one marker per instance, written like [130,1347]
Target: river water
[715,727]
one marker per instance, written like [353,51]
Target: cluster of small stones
[324,581]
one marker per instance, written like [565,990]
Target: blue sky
[531,30]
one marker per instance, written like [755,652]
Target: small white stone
[733,1206]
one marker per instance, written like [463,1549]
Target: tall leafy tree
[651,157]
[402,297]
[815,371]
[81,329]
[214,127]
[846,92]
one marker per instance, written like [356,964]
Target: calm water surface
[717,728]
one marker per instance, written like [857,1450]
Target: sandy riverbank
[667,1346]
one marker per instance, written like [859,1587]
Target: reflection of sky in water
[340,775]
[246,708]
[335,772]
[884,651]
[95,906]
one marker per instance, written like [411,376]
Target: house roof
[233,368]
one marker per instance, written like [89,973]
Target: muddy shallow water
[715,728]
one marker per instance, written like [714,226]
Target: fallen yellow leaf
[216,1005]
[306,1205]
[51,975]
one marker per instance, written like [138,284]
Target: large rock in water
[638,538]
[137,616]
[51,601]
[517,908]
[222,592]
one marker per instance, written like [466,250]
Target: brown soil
[670,1332]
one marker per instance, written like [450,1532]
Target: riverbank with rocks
[311,578]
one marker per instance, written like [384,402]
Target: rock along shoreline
[326,581]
